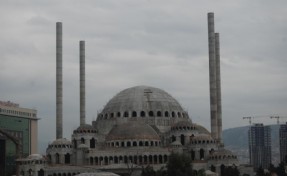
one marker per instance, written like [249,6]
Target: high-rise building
[283,142]
[21,123]
[260,146]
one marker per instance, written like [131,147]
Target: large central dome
[143,104]
[142,98]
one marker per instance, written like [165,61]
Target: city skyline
[163,44]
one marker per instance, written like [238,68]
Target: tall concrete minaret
[212,76]
[59,82]
[218,88]
[82,84]
[214,80]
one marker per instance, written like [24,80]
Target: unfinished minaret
[218,88]
[59,82]
[82,84]
[212,76]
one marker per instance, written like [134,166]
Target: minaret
[82,84]
[218,88]
[212,76]
[59,82]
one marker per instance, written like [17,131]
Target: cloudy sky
[160,43]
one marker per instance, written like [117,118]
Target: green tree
[179,165]
[148,171]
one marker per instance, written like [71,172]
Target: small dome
[176,143]
[62,141]
[183,123]
[82,146]
[35,157]
[133,130]
[222,154]
[86,128]
[201,129]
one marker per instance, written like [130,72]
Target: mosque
[140,126]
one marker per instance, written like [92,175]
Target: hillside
[238,137]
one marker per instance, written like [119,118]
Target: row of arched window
[223,157]
[183,128]
[136,159]
[133,143]
[93,142]
[32,162]
[59,146]
[143,114]
[65,174]
[202,141]
[85,131]
[67,158]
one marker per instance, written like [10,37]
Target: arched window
[166,114]
[40,172]
[142,114]
[141,143]
[106,160]
[201,154]
[158,113]
[178,114]
[119,114]
[126,114]
[173,138]
[67,158]
[125,159]
[155,159]
[57,158]
[192,153]
[150,113]
[91,161]
[128,144]
[135,144]
[146,143]
[160,159]
[82,141]
[92,143]
[182,139]
[106,116]
[134,114]
[116,160]
[172,114]
[112,115]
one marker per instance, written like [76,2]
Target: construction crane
[249,118]
[277,118]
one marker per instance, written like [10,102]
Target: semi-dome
[85,128]
[61,141]
[143,101]
[35,157]
[131,131]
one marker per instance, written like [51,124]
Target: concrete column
[218,88]
[82,84]
[59,82]
[212,75]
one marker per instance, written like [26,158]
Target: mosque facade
[139,127]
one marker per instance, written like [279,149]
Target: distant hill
[238,137]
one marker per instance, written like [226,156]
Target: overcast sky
[159,43]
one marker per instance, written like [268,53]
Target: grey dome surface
[61,141]
[132,130]
[142,98]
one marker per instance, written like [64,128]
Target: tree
[280,170]
[148,171]
[179,165]
[229,171]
